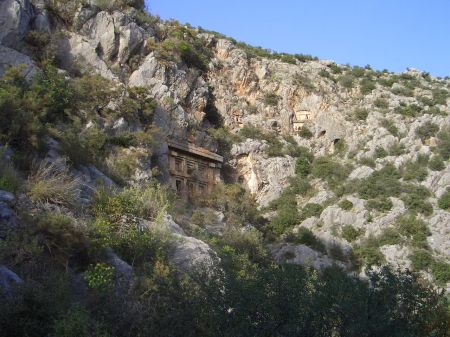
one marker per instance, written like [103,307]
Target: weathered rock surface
[8,279]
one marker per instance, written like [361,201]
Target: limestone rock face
[15,17]
[7,280]
[10,57]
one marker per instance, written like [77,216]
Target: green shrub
[52,182]
[421,259]
[367,86]
[381,103]
[368,253]
[303,166]
[389,236]
[350,233]
[414,229]
[444,201]
[440,96]
[304,132]
[443,146]
[310,210]
[249,242]
[412,110]
[415,197]
[271,99]
[380,152]
[380,204]
[390,126]
[99,277]
[329,170]
[414,171]
[361,114]
[347,81]
[403,91]
[9,178]
[441,272]
[366,161]
[306,237]
[346,204]
[436,163]
[250,131]
[427,130]
[382,183]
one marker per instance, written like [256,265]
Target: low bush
[415,199]
[427,130]
[99,277]
[380,204]
[403,91]
[10,179]
[310,210]
[350,233]
[390,126]
[443,144]
[347,81]
[304,132]
[271,99]
[440,96]
[421,259]
[414,171]
[389,236]
[329,170]
[414,229]
[367,86]
[361,114]
[305,237]
[412,110]
[444,201]
[52,182]
[366,161]
[346,204]
[436,163]
[381,103]
[441,272]
[381,183]
[380,152]
[396,149]
[249,242]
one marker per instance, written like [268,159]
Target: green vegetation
[427,130]
[414,171]
[443,147]
[390,126]
[381,103]
[444,201]
[347,81]
[305,132]
[361,114]
[381,204]
[412,110]
[330,170]
[271,99]
[346,204]
[436,163]
[367,86]
[305,237]
[350,233]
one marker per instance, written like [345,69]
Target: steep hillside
[333,176]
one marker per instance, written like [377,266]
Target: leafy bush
[421,259]
[366,161]
[380,152]
[440,96]
[271,99]
[368,253]
[403,91]
[350,233]
[414,171]
[444,201]
[427,130]
[303,165]
[382,183]
[99,277]
[415,197]
[436,163]
[305,237]
[389,236]
[367,86]
[381,103]
[304,132]
[248,242]
[380,204]
[441,272]
[347,81]
[412,110]
[390,126]
[443,147]
[414,229]
[329,170]
[9,178]
[361,114]
[310,210]
[52,182]
[346,204]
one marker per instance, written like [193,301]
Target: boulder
[7,280]
[8,220]
[7,197]
[15,17]
[10,57]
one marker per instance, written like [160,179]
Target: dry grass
[52,182]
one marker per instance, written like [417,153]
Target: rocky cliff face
[365,119]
